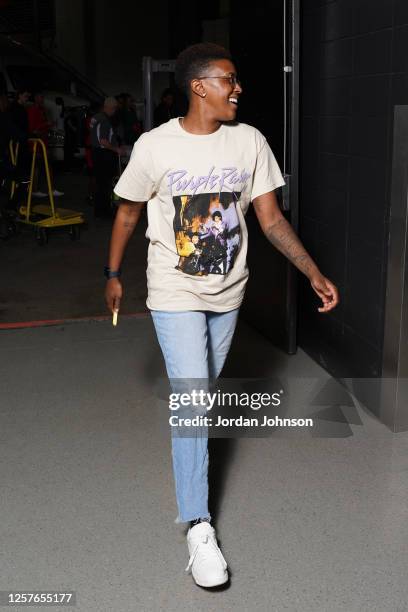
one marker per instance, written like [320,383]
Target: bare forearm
[282,235]
[126,220]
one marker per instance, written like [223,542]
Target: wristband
[111,273]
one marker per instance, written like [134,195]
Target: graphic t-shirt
[198,189]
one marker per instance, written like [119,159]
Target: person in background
[105,151]
[8,171]
[19,117]
[166,109]
[94,108]
[18,110]
[8,131]
[128,118]
[70,138]
[116,120]
[39,125]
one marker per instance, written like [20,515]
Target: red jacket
[38,124]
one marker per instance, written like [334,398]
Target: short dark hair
[195,60]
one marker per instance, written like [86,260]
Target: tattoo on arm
[131,214]
[284,238]
[129,225]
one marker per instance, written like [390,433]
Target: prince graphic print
[207,232]
[206,225]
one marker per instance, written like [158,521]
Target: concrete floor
[306,524]
[64,279]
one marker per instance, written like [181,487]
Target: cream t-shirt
[198,189]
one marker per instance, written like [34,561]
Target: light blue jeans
[195,345]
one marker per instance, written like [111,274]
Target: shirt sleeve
[267,174]
[137,182]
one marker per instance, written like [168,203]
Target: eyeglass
[232,78]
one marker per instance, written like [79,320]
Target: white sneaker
[39,194]
[57,193]
[207,563]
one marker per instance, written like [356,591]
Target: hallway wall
[354,56]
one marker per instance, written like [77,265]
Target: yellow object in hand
[115,317]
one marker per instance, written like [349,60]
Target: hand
[113,294]
[325,290]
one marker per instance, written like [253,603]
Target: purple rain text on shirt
[227,179]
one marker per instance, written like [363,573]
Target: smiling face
[219,94]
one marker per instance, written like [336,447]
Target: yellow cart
[46,216]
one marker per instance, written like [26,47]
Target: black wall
[256,39]
[354,69]
[256,36]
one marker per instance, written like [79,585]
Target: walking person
[189,169]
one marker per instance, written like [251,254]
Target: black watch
[111,273]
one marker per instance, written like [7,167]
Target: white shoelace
[206,540]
